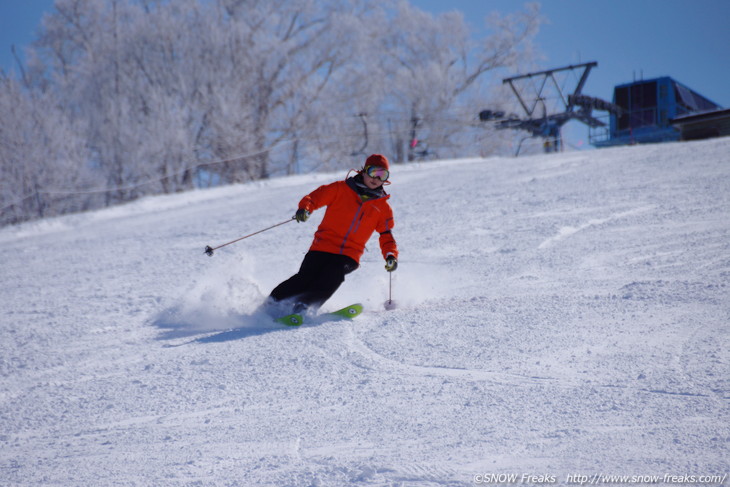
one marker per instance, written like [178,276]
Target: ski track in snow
[383,363]
[565,232]
[557,314]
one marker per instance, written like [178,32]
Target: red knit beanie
[377,160]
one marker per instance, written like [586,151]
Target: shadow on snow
[175,323]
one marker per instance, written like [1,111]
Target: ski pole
[209,250]
[389,304]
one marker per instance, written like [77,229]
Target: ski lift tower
[543,98]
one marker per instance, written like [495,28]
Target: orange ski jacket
[349,222]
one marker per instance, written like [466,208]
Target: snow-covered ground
[559,315]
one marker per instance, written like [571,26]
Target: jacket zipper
[354,225]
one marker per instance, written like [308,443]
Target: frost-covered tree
[416,76]
[434,65]
[41,155]
[157,96]
[107,62]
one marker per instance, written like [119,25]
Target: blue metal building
[647,109]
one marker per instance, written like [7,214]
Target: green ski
[291,320]
[348,312]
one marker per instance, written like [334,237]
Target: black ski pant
[319,276]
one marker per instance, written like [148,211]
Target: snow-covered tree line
[124,98]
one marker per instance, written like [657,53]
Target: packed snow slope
[558,315]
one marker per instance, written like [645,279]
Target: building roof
[702,116]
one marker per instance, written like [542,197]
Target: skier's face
[372,183]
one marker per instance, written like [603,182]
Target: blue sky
[688,40]
[19,20]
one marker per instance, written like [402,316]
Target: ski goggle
[377,172]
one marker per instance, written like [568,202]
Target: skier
[356,207]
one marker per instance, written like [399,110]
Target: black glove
[302,215]
[391,263]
